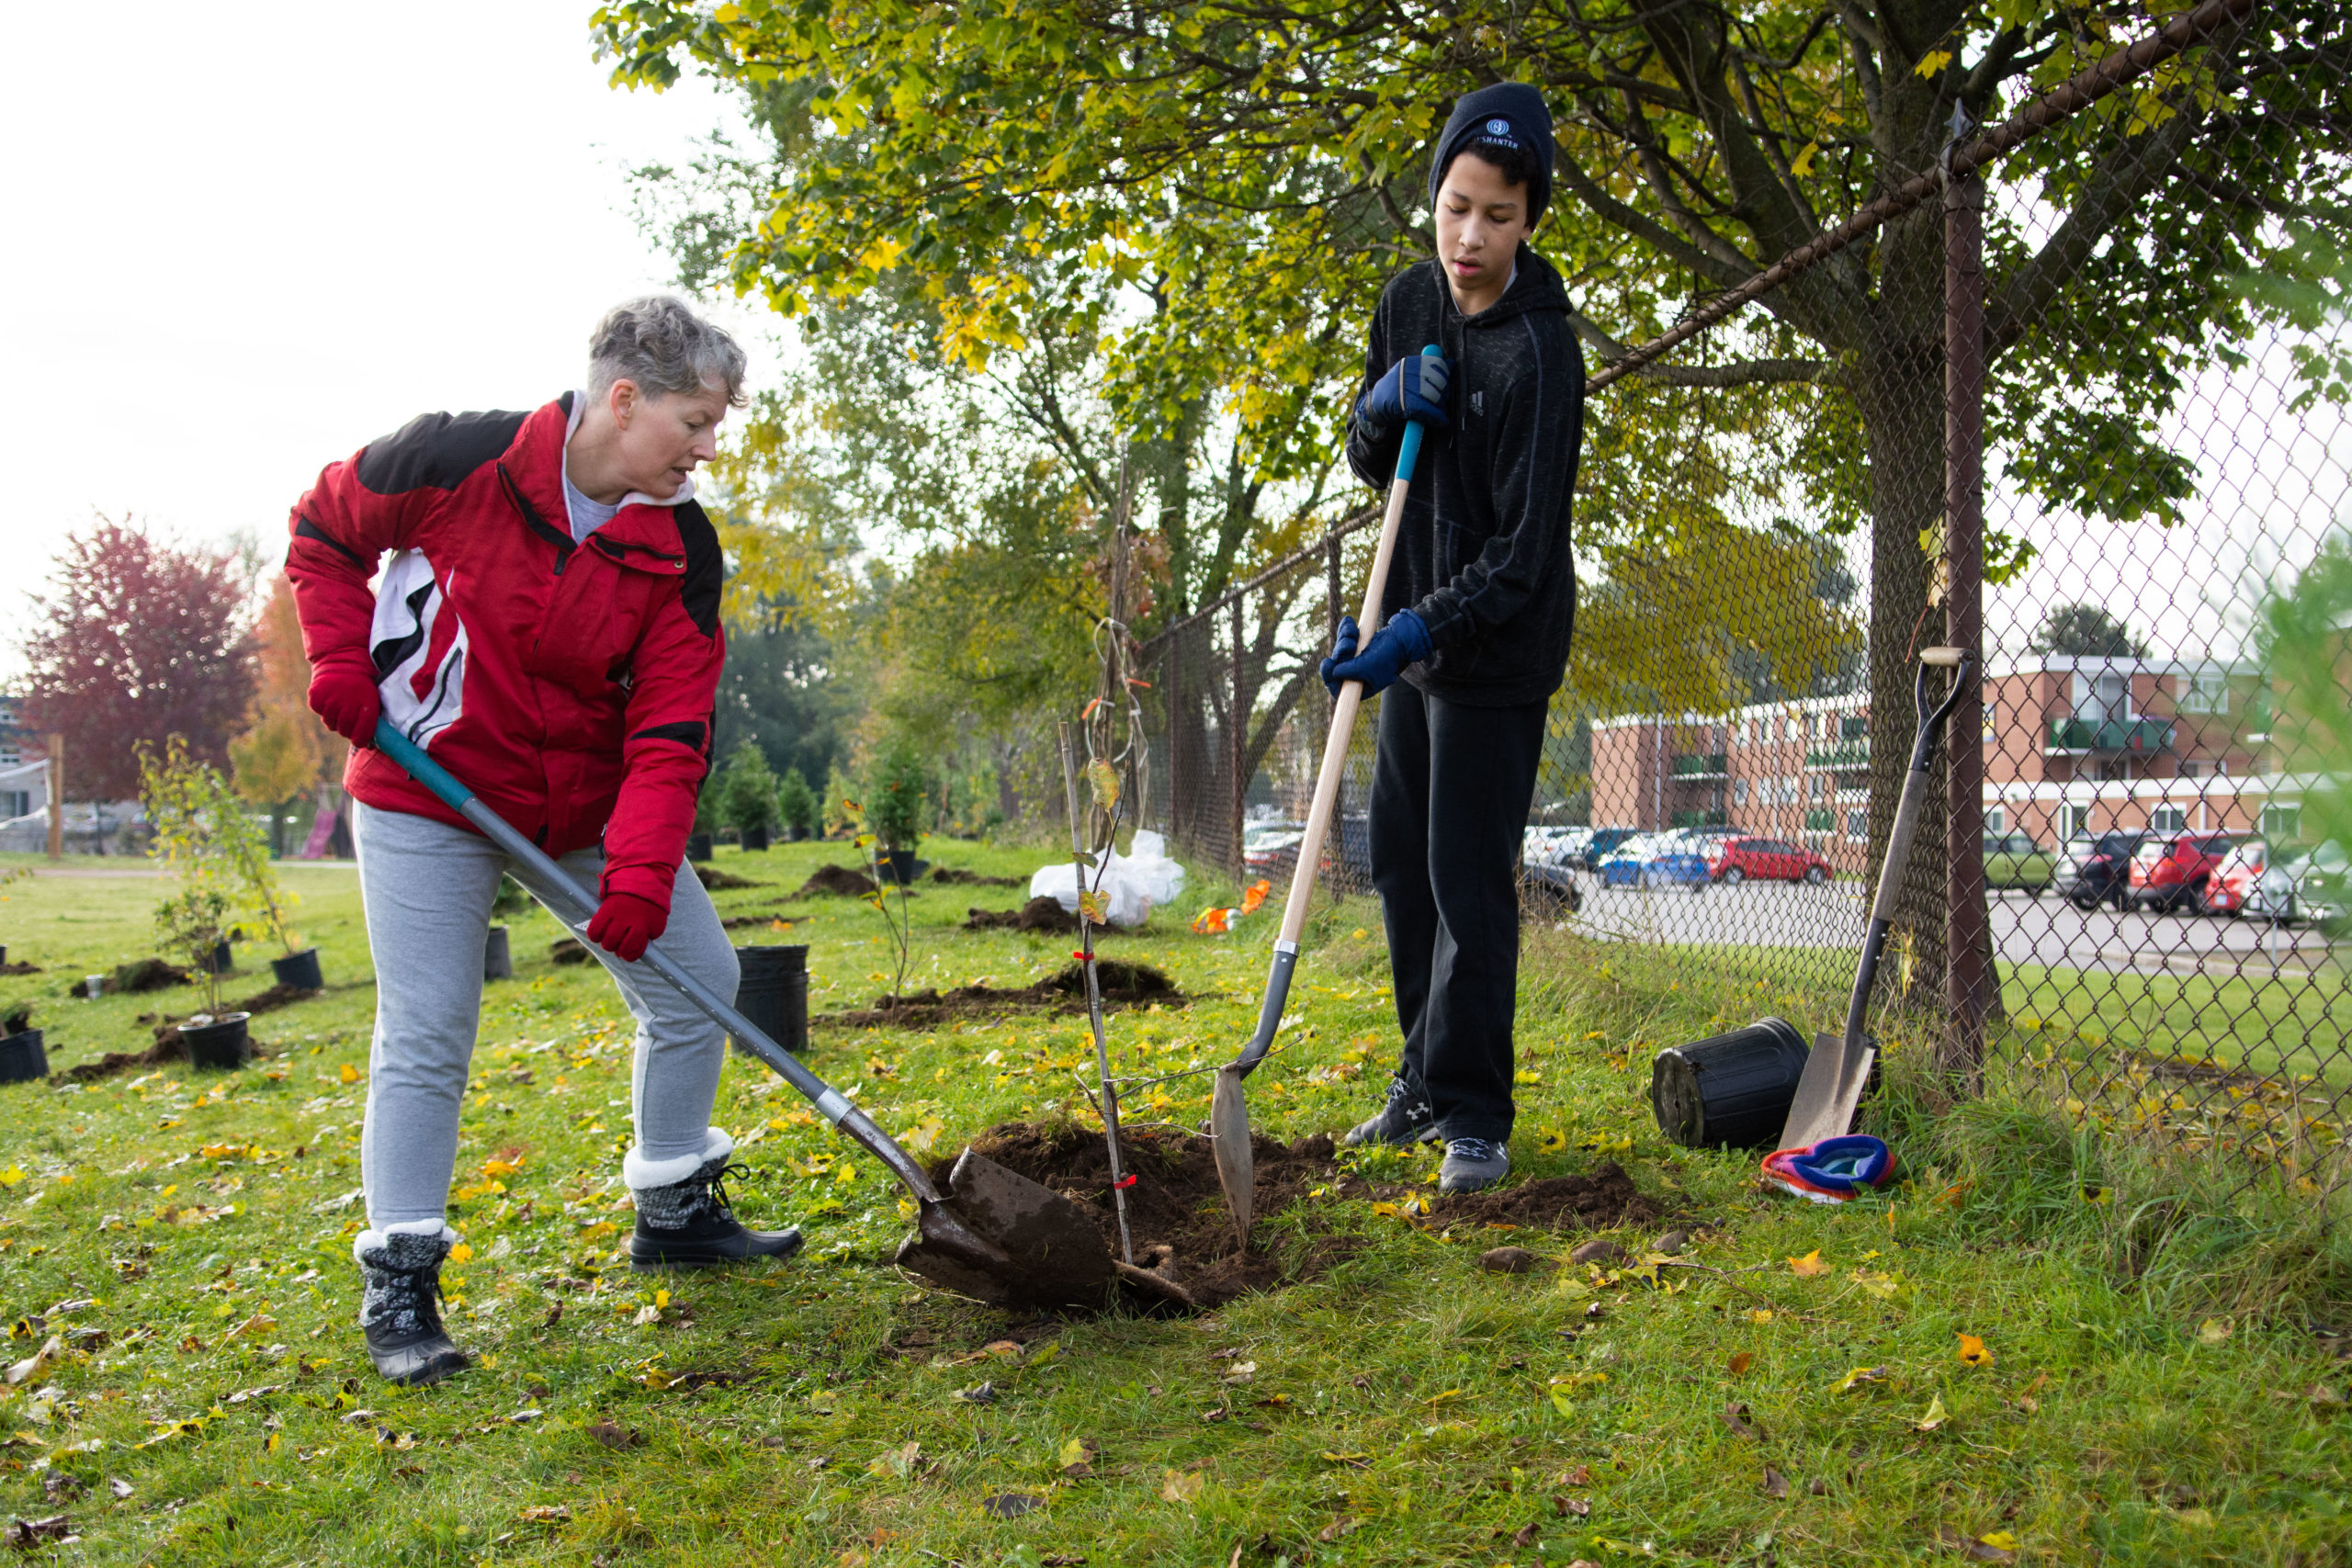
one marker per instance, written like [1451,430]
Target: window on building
[1858,824]
[1853,726]
[1739,792]
[1820,787]
[2074,821]
[2205,690]
[2168,819]
[1996,820]
[2282,824]
[2190,767]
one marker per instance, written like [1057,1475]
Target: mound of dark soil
[147,975]
[836,882]
[567,950]
[956,877]
[1176,1202]
[1123,984]
[737,922]
[1040,914]
[16,966]
[169,1047]
[1606,1198]
[717,881]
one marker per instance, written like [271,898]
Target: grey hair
[662,346]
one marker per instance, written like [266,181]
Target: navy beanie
[1509,114]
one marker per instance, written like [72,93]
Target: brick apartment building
[2073,747]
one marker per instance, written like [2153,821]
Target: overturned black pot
[299,971]
[755,839]
[22,1057]
[217,1042]
[698,846]
[497,956]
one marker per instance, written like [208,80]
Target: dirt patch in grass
[169,1047]
[1606,1198]
[719,881]
[1176,1209]
[1123,984]
[836,882]
[132,979]
[956,877]
[15,967]
[1042,913]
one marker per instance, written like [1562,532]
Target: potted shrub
[203,830]
[797,804]
[895,793]
[747,796]
[189,922]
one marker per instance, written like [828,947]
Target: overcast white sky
[246,242]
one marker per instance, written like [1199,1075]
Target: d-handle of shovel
[573,905]
[1335,761]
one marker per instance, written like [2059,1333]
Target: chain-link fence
[2073,397]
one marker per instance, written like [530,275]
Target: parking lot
[2046,931]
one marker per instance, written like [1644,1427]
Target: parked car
[2235,877]
[2171,874]
[1271,848]
[1735,860]
[1654,860]
[2099,870]
[2309,886]
[1550,885]
[1559,847]
[1604,842]
[2015,859]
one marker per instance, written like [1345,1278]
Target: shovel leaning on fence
[995,1235]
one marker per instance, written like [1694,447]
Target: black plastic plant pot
[22,1057]
[755,839]
[219,1044]
[774,993]
[1731,1091]
[222,961]
[698,846]
[497,956]
[902,866]
[299,971]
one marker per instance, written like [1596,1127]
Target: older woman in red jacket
[543,619]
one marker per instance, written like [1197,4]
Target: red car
[2175,874]
[1736,859]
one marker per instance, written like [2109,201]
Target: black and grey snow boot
[689,1221]
[399,1305]
[1405,1121]
[1472,1165]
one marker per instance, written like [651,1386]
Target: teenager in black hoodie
[1480,600]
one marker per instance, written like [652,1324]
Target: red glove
[345,696]
[623,923]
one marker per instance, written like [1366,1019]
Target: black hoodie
[1482,552]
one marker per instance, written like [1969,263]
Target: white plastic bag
[1133,883]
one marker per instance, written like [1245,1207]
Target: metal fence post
[1967,948]
[1237,738]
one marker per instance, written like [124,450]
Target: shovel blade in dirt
[1828,1091]
[1237,1164]
[1000,1237]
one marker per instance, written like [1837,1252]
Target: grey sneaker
[1472,1165]
[1405,1121]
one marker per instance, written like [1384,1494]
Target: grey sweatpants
[427,887]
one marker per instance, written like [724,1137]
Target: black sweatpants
[1450,791]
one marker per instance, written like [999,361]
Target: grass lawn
[2144,1394]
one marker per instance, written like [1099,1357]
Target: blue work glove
[1404,641]
[1413,387]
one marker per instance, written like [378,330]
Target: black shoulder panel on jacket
[437,451]
[706,569]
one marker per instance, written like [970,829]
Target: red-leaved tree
[136,641]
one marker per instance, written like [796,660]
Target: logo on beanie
[1498,127]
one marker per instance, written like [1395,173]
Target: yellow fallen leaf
[1878,1285]
[2214,1330]
[1183,1486]
[1075,1451]
[1759,1314]
[1857,1378]
[895,1462]
[461,1253]
[1936,1416]
[10,1176]
[2001,1539]
[1805,1267]
[350,1074]
[1551,1142]
[1561,1402]
[1384,1211]
[1972,1351]
[497,1168]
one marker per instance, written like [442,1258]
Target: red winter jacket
[571,686]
